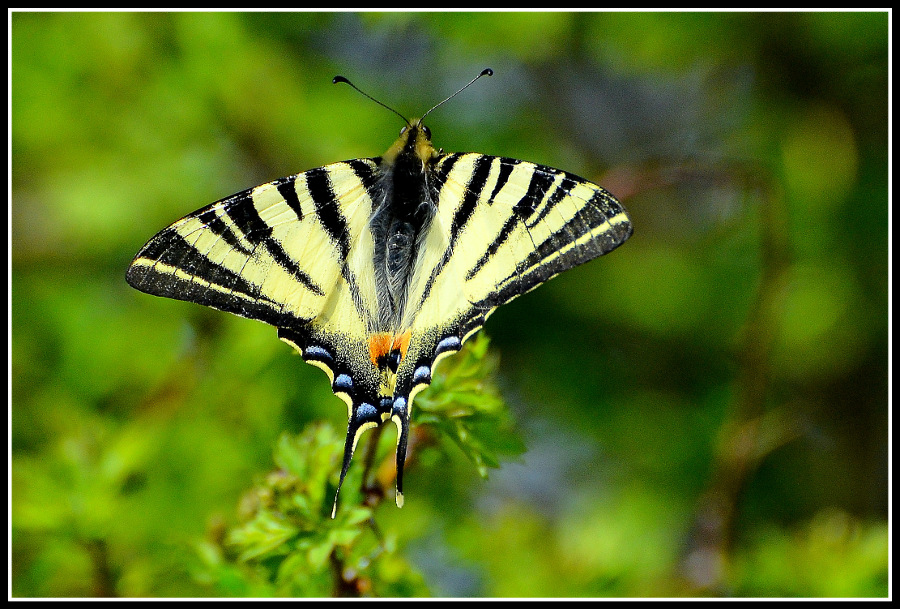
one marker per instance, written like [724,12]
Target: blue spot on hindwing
[422,375]
[451,343]
[366,412]
[318,353]
[399,407]
[342,382]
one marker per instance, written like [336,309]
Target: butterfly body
[375,269]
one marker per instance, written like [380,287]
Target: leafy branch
[287,544]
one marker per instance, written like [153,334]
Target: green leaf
[464,405]
[265,534]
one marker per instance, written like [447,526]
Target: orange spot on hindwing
[401,342]
[379,347]
[387,350]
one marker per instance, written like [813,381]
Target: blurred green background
[705,409]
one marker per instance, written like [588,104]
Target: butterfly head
[414,142]
[415,137]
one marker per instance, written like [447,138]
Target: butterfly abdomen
[402,217]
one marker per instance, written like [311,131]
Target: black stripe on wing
[328,208]
[318,182]
[548,192]
[476,183]
[558,251]
[217,287]
[524,209]
[172,266]
[242,211]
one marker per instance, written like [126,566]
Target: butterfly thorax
[402,216]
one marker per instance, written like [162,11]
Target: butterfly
[375,269]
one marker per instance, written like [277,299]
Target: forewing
[504,226]
[294,253]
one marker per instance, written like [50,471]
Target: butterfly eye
[426,131]
[403,129]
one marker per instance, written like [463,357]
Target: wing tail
[400,416]
[365,416]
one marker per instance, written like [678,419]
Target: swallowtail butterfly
[374,269]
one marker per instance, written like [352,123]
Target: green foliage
[832,555]
[287,544]
[464,405]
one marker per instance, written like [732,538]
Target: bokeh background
[705,410]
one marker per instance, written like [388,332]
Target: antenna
[484,72]
[339,78]
[343,79]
